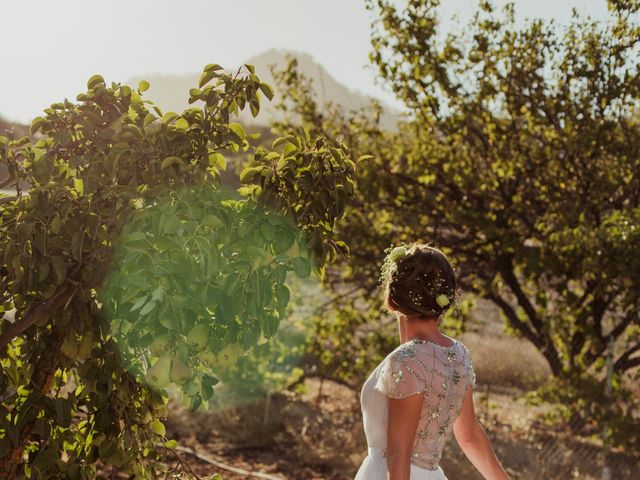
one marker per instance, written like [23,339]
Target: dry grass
[500,359]
[506,362]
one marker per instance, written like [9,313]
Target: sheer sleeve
[468,364]
[401,374]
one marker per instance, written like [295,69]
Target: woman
[423,389]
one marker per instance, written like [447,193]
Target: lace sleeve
[401,374]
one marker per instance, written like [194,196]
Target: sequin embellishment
[441,375]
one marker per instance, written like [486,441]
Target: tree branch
[514,321]
[625,362]
[35,313]
[506,270]
[542,343]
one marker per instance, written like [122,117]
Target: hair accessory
[397,253]
[390,264]
[442,300]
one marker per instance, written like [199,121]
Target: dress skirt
[374,467]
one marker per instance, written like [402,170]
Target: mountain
[18,129]
[171,92]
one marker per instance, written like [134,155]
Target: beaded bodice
[440,374]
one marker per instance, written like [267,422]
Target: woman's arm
[474,441]
[404,415]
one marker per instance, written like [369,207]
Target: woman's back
[420,392]
[441,375]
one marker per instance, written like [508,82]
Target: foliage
[518,157]
[348,335]
[268,368]
[127,238]
[200,273]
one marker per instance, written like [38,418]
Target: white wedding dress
[441,375]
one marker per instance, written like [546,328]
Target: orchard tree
[128,267]
[526,158]
[519,156]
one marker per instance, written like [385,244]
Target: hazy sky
[51,48]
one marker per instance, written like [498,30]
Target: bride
[423,389]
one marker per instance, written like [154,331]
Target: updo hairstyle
[418,280]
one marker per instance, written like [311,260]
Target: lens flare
[200,290]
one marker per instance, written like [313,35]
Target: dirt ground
[312,436]
[318,434]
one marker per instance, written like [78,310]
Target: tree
[128,266]
[519,157]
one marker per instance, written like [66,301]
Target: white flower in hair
[397,253]
[442,300]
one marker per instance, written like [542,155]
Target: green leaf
[182,124]
[237,129]
[141,301]
[278,141]
[301,267]
[94,81]
[149,118]
[248,174]
[254,106]
[148,307]
[131,236]
[168,117]
[289,148]
[143,86]
[283,296]
[217,160]
[56,224]
[76,245]
[59,268]
[170,161]
[78,185]
[212,221]
[212,67]
[36,124]
[206,77]
[158,427]
[158,293]
[267,90]
[210,380]
[244,191]
[170,321]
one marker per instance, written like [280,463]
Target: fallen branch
[239,471]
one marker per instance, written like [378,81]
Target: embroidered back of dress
[441,375]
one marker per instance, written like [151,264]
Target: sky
[51,48]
